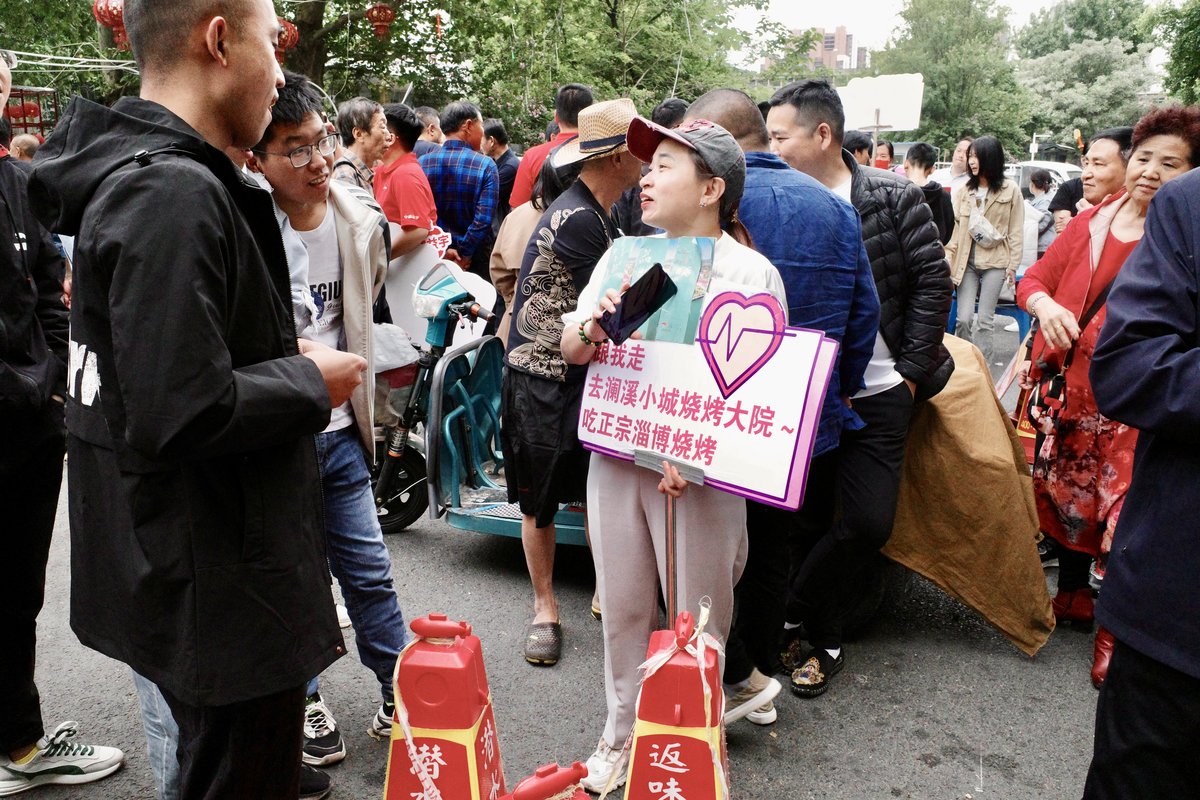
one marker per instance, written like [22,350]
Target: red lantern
[381,16]
[33,110]
[15,111]
[120,38]
[289,36]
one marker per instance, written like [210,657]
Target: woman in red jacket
[1085,460]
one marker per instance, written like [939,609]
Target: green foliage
[789,60]
[1054,29]
[970,87]
[64,28]
[1180,28]
[1090,85]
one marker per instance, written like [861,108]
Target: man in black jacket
[909,364]
[1146,373]
[33,356]
[197,552]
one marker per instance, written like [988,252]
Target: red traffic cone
[444,744]
[679,735]
[552,782]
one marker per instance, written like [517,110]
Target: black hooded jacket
[938,200]
[33,318]
[196,520]
[911,274]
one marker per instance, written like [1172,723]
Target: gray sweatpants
[627,516]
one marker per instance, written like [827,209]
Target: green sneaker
[57,759]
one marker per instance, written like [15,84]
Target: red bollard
[442,693]
[552,782]
[674,741]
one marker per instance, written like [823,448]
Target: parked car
[1059,173]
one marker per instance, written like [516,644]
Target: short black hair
[990,155]
[1040,178]
[494,128]
[669,112]
[815,101]
[404,124]
[297,99]
[853,141]
[764,108]
[5,131]
[569,100]
[1123,136]
[885,143]
[154,26]
[428,115]
[356,112]
[457,114]
[922,155]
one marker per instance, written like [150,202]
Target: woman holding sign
[697,173]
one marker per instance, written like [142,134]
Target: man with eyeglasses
[346,245]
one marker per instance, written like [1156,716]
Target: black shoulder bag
[1049,396]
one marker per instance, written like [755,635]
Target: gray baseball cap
[716,146]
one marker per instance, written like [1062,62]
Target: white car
[1059,173]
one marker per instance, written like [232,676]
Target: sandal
[596,611]
[811,678]
[543,643]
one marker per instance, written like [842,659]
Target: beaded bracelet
[583,337]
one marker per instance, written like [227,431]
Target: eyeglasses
[302,155]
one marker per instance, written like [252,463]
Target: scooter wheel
[409,497]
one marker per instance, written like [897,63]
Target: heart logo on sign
[738,335]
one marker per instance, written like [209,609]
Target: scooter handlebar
[474,310]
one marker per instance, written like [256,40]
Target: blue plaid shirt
[465,188]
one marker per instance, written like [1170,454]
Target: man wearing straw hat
[545,464]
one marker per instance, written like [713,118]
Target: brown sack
[966,518]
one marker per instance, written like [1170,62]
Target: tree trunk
[310,53]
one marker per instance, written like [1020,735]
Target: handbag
[981,229]
[1049,396]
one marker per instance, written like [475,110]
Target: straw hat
[602,128]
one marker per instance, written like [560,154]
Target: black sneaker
[314,784]
[812,677]
[323,743]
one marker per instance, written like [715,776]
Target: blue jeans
[162,738]
[986,285]
[358,557]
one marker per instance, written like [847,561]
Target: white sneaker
[753,701]
[59,760]
[323,743]
[343,616]
[381,725]
[601,765]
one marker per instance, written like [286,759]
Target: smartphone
[648,294]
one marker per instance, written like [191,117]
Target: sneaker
[601,766]
[812,677]
[57,759]
[314,784]
[1048,552]
[323,743]
[343,616]
[753,701]
[381,726]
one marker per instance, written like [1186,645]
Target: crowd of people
[213,492]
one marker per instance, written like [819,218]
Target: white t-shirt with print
[325,282]
[881,373]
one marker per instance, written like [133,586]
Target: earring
[703,203]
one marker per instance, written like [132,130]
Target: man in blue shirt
[814,239]
[466,187]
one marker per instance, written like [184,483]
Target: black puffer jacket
[911,274]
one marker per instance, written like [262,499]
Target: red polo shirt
[531,166]
[404,194]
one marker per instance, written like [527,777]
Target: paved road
[932,704]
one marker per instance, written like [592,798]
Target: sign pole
[692,474]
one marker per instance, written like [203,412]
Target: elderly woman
[1084,462]
[985,249]
[695,182]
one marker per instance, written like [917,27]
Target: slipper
[596,611]
[811,678]
[543,643]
